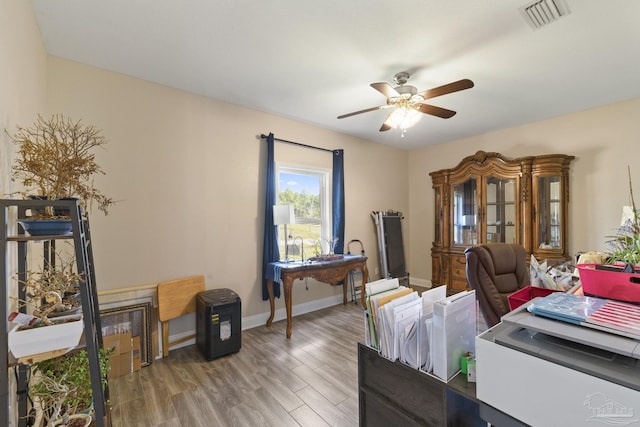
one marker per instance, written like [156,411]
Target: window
[307,189]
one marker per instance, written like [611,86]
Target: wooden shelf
[35,358]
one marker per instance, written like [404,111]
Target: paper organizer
[430,332]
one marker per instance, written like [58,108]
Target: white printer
[541,372]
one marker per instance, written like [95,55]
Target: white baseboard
[281,313]
[425,283]
[261,319]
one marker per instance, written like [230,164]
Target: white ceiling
[314,60]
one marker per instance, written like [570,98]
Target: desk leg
[345,284]
[271,301]
[365,279]
[287,283]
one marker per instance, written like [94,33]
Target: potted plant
[618,278]
[62,387]
[49,396]
[56,160]
[50,295]
[625,245]
[54,291]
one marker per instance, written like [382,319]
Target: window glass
[307,190]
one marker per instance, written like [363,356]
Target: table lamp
[284,215]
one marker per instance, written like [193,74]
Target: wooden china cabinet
[490,198]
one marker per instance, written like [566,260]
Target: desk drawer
[388,389]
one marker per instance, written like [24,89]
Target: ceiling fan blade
[448,88]
[385,89]
[385,126]
[362,111]
[436,111]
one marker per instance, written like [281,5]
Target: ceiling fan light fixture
[408,105]
[403,117]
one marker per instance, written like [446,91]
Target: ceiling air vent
[543,12]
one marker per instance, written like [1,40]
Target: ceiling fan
[407,103]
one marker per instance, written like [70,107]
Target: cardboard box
[121,342]
[135,354]
[121,358]
[114,372]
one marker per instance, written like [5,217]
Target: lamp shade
[283,214]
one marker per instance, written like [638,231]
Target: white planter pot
[46,338]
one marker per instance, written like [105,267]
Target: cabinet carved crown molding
[481,157]
[489,197]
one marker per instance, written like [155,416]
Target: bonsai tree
[55,160]
[52,290]
[49,396]
[63,384]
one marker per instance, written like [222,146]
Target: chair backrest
[496,270]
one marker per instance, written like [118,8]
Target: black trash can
[218,323]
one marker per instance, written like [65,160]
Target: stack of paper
[396,313]
[373,292]
[415,343]
[379,294]
[598,313]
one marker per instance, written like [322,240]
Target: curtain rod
[263,136]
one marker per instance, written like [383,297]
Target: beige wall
[188,174]
[22,96]
[187,170]
[604,140]
[22,77]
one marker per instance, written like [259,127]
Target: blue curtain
[337,201]
[270,253]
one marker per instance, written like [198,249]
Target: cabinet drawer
[458,268]
[458,261]
[458,286]
[459,273]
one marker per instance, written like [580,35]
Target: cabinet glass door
[549,215]
[437,238]
[465,212]
[500,210]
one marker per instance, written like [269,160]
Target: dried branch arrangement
[52,290]
[55,159]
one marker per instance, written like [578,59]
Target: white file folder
[454,332]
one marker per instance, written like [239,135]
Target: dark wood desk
[391,393]
[332,272]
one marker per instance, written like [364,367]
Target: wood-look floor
[309,380]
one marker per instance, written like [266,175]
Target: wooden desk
[332,272]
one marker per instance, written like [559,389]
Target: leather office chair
[496,270]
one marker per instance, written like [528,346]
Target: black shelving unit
[12,233]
